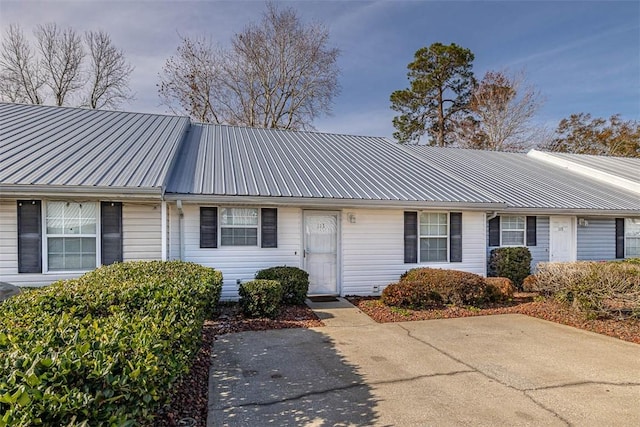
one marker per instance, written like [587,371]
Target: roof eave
[20,190]
[324,203]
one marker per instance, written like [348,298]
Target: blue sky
[583,56]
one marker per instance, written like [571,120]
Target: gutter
[149,193]
[325,203]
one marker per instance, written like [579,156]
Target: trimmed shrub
[103,349]
[529,284]
[453,286]
[413,295]
[598,289]
[260,298]
[294,281]
[513,263]
[499,288]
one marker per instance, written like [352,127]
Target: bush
[513,263]
[294,281]
[260,298]
[529,284]
[453,286]
[499,288]
[103,349]
[598,289]
[413,295]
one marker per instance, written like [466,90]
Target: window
[239,227]
[434,235]
[71,236]
[632,237]
[513,229]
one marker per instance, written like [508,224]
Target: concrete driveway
[495,370]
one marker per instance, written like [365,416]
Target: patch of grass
[401,311]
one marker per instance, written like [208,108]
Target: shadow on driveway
[286,377]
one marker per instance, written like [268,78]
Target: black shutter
[269,228]
[455,237]
[494,231]
[410,237]
[619,237]
[111,232]
[29,236]
[532,237]
[208,227]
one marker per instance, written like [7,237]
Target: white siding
[141,241]
[141,231]
[9,251]
[242,263]
[8,238]
[373,249]
[597,240]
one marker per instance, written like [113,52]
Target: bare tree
[501,107]
[21,79]
[190,81]
[108,72]
[59,62]
[62,54]
[277,74]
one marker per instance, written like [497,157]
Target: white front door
[562,246]
[321,251]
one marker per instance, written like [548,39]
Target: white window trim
[627,236]
[524,231]
[258,226]
[45,239]
[420,237]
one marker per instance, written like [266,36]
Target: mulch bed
[547,309]
[188,403]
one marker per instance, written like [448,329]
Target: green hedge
[103,349]
[512,263]
[294,281]
[260,298]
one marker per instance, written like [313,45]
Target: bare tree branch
[108,71]
[21,79]
[278,73]
[62,54]
[501,107]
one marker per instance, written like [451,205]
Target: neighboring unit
[82,188]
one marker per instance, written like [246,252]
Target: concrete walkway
[506,370]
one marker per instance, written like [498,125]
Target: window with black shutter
[455,237]
[494,231]
[29,236]
[208,227]
[619,237]
[111,232]
[269,228]
[410,237]
[532,235]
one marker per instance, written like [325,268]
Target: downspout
[180,226]
[163,229]
[492,215]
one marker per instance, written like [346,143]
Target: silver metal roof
[526,183]
[239,161]
[78,148]
[624,167]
